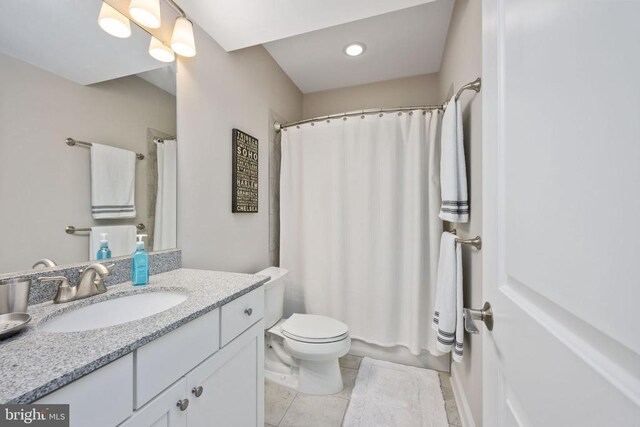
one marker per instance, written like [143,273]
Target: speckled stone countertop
[36,362]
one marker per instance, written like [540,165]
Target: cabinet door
[102,398]
[232,384]
[163,410]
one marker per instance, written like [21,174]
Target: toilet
[301,352]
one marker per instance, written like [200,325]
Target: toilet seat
[314,329]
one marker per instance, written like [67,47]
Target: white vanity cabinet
[223,390]
[188,377]
[166,410]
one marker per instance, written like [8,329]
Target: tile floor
[288,408]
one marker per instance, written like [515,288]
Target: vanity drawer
[238,315]
[102,398]
[163,361]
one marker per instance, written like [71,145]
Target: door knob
[197,391]
[485,315]
[183,404]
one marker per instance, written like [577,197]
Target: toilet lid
[313,328]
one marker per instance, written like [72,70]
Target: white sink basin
[114,312]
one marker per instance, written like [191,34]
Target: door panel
[162,410]
[561,165]
[231,384]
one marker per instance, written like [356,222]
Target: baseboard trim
[461,401]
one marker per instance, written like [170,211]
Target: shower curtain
[165,223]
[359,224]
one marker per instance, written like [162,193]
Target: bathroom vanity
[198,363]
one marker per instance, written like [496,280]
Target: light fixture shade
[161,51]
[182,41]
[146,12]
[113,22]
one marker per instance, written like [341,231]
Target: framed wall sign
[245,173]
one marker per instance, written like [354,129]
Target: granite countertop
[36,362]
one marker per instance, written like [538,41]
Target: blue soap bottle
[104,252]
[140,263]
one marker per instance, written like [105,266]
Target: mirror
[62,76]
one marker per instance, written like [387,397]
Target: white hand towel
[453,173]
[447,319]
[121,238]
[113,182]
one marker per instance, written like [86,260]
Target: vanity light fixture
[113,22]
[182,40]
[161,51]
[146,12]
[354,49]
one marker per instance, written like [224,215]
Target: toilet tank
[273,294]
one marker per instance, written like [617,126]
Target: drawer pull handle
[183,404]
[197,391]
[248,311]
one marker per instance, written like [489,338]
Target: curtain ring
[298,127]
[362,116]
[328,121]
[344,118]
[399,113]
[313,124]
[380,115]
[411,113]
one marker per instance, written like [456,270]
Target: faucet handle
[101,269]
[64,280]
[64,293]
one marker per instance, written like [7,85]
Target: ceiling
[306,37]
[238,24]
[399,44]
[63,37]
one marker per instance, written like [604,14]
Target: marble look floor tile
[315,411]
[453,416]
[349,380]
[277,400]
[350,361]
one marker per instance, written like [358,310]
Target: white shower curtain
[359,224]
[165,222]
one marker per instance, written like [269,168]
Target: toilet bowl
[301,352]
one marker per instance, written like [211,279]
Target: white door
[168,409]
[561,165]
[227,389]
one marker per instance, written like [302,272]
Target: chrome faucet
[91,283]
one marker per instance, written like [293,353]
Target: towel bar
[71,142]
[476,242]
[70,229]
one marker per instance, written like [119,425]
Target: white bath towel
[453,173]
[113,182]
[447,318]
[121,238]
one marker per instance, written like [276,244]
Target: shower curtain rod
[474,85]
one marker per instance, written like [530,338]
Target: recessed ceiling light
[354,49]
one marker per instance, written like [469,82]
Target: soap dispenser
[104,252]
[140,263]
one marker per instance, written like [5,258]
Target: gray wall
[45,184]
[417,90]
[219,91]
[462,63]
